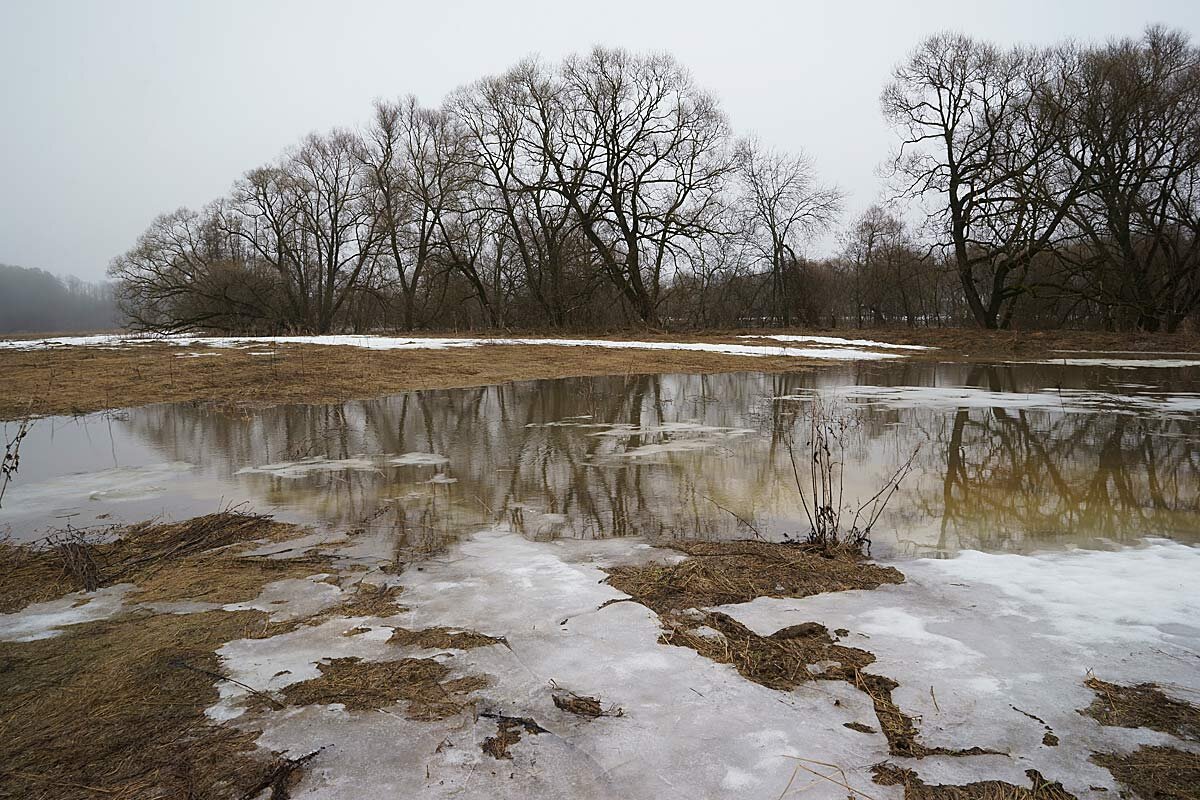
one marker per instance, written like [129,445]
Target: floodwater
[1008,458]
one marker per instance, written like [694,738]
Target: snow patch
[837,340]
[434,343]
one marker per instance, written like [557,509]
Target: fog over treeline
[34,301]
[1028,187]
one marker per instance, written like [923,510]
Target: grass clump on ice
[1152,772]
[795,655]
[424,686]
[718,573]
[1155,772]
[1142,706]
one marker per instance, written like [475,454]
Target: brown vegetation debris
[106,709]
[717,573]
[916,789]
[420,683]
[582,705]
[858,726]
[440,638]
[1142,706]
[508,733]
[190,560]
[1050,740]
[1155,773]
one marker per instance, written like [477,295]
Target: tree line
[1028,187]
[33,300]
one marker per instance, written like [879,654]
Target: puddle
[1012,458]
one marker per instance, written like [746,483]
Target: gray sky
[114,112]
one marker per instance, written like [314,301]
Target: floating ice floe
[435,343]
[669,437]
[115,484]
[1082,401]
[418,460]
[1118,363]
[356,463]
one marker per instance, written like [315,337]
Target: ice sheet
[1084,401]
[975,638]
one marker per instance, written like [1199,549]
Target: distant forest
[34,301]
[1027,187]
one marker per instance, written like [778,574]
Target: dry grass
[1142,706]
[916,789]
[716,573]
[422,684]
[442,639]
[196,559]
[115,709]
[371,600]
[1156,773]
[81,379]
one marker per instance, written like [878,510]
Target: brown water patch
[1142,706]
[1155,773]
[116,709]
[422,684]
[916,789]
[718,573]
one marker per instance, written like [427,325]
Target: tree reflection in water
[687,455]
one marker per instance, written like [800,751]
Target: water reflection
[675,455]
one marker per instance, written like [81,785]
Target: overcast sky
[114,112]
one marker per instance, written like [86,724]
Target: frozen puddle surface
[691,727]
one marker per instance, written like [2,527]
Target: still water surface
[1011,458]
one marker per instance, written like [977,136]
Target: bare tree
[978,143]
[1135,131]
[784,204]
[641,156]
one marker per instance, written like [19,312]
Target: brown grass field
[73,380]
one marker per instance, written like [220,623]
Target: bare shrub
[823,489]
